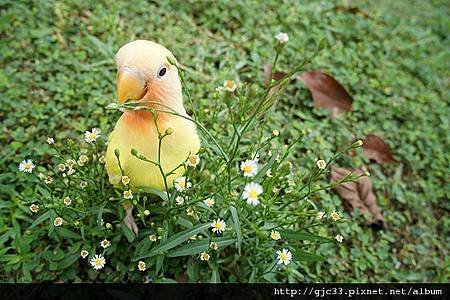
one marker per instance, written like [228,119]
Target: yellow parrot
[144,74]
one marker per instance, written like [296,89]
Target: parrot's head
[145,74]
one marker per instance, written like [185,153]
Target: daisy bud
[169,131]
[357,144]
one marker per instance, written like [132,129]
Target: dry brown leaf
[375,148]
[327,92]
[358,195]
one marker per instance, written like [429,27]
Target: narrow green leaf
[303,236]
[185,222]
[190,249]
[159,263]
[68,261]
[237,227]
[128,233]
[176,239]
[266,167]
[299,255]
[66,233]
[215,278]
[40,219]
[156,192]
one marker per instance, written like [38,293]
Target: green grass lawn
[58,75]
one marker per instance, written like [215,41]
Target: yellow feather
[134,133]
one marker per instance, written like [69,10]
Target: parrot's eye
[162,72]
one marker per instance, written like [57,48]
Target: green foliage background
[58,74]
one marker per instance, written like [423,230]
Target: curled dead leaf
[358,195]
[327,92]
[377,149]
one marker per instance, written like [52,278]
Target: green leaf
[155,192]
[26,272]
[176,239]
[215,278]
[185,222]
[190,249]
[303,236]
[68,261]
[64,232]
[128,233]
[40,219]
[237,227]
[308,256]
[266,167]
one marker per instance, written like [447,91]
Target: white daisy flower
[141,266]
[128,194]
[321,164]
[182,183]
[321,215]
[275,235]
[249,168]
[193,160]
[92,136]
[209,202]
[83,159]
[67,201]
[339,238]
[153,238]
[251,192]
[105,243]
[229,85]
[70,163]
[204,256]
[214,246]
[190,211]
[26,166]
[275,132]
[50,141]
[48,179]
[218,226]
[58,221]
[125,180]
[179,200]
[84,253]
[282,37]
[34,208]
[284,256]
[98,262]
[70,171]
[335,216]
[61,167]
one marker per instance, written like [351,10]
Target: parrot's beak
[130,85]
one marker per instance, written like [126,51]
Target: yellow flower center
[248,169]
[98,261]
[92,136]
[253,194]
[27,166]
[183,184]
[229,84]
[283,256]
